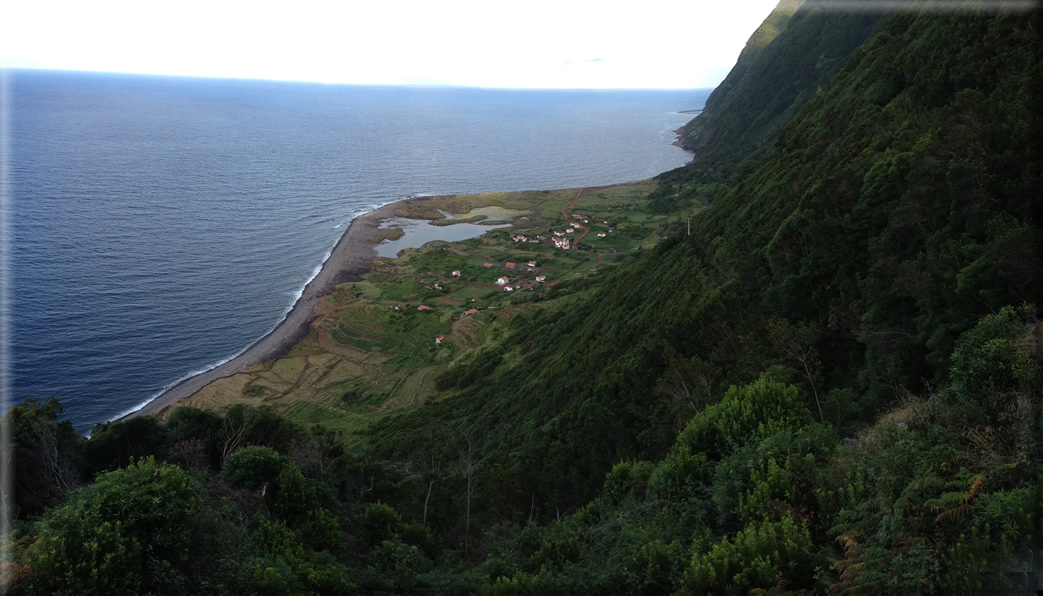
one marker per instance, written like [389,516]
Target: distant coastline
[351,258]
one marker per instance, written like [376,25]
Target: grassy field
[372,350]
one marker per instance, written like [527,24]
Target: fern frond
[976,486]
[953,514]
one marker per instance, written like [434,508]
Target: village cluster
[564,240]
[561,239]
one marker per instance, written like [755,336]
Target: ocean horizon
[161,225]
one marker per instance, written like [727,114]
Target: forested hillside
[785,63]
[832,385]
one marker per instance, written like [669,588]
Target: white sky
[491,43]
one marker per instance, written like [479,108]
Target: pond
[419,232]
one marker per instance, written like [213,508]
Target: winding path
[574,223]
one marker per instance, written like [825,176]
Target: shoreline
[350,258]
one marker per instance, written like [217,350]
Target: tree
[765,555]
[114,444]
[47,454]
[468,466]
[192,434]
[798,343]
[253,468]
[131,531]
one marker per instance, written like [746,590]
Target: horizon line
[342,83]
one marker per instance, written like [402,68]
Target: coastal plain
[370,334]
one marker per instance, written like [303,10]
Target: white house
[501,281]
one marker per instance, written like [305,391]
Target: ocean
[163,224]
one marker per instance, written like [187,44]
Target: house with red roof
[422,307]
[502,281]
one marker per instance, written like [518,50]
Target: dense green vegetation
[832,386]
[789,58]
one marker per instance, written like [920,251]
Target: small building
[532,264]
[541,278]
[470,311]
[509,265]
[422,307]
[488,265]
[456,273]
[502,281]
[508,289]
[602,234]
[569,230]
[439,339]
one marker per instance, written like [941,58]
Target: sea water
[163,224]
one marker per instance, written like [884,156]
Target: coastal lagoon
[163,224]
[418,232]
